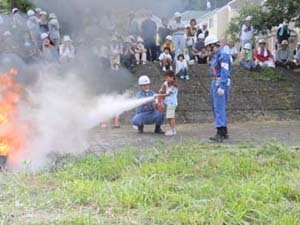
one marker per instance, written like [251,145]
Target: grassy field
[191,184]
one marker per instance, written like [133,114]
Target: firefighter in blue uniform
[220,72]
[147,113]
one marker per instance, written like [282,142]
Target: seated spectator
[297,48]
[202,56]
[198,46]
[128,56]
[263,56]
[115,54]
[49,53]
[165,59]
[231,50]
[66,50]
[247,60]
[283,55]
[169,43]
[182,69]
[140,52]
[191,36]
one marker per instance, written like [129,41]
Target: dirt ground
[105,140]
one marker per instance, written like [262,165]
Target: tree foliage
[271,13]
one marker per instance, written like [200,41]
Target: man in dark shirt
[283,33]
[163,31]
[149,30]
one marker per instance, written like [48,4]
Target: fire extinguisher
[160,104]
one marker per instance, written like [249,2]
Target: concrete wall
[250,98]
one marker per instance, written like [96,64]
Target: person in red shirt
[263,56]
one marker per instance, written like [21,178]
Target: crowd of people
[35,36]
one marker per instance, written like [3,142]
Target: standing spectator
[204,30]
[178,34]
[247,32]
[198,46]
[37,12]
[263,56]
[149,29]
[128,56]
[66,50]
[169,43]
[283,55]
[171,102]
[33,27]
[164,31]
[133,26]
[53,27]
[140,52]
[247,60]
[115,54]
[165,59]
[191,36]
[43,22]
[231,50]
[283,33]
[16,18]
[182,69]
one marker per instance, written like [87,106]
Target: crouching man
[147,113]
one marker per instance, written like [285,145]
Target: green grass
[190,184]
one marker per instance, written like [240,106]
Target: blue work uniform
[220,72]
[147,114]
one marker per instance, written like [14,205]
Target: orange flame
[11,135]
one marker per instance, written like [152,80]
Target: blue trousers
[219,105]
[152,117]
[248,64]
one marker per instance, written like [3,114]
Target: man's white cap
[169,37]
[177,14]
[144,80]
[211,39]
[262,41]
[38,10]
[52,16]
[44,36]
[284,42]
[7,33]
[285,23]
[205,24]
[247,46]
[201,36]
[30,12]
[139,39]
[67,38]
[248,18]
[43,13]
[14,10]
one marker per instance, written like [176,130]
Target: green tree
[7,5]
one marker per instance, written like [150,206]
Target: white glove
[220,91]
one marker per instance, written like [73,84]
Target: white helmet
[139,39]
[44,36]
[248,18]
[247,46]
[169,37]
[67,38]
[43,13]
[52,16]
[262,41]
[201,36]
[30,13]
[177,15]
[14,10]
[144,80]
[211,39]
